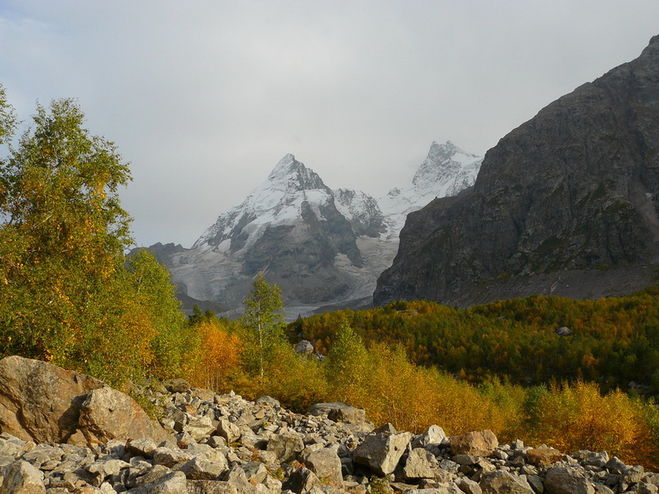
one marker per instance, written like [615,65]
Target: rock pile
[225,444]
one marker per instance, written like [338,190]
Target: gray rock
[177,385]
[341,412]
[500,482]
[304,347]
[170,483]
[230,432]
[169,456]
[202,469]
[325,463]
[468,486]
[268,400]
[199,427]
[211,487]
[381,451]
[434,436]
[286,445]
[420,464]
[20,477]
[566,480]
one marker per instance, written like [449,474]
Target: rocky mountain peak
[443,160]
[294,176]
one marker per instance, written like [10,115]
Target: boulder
[480,443]
[304,347]
[177,385]
[420,464]
[22,478]
[566,480]
[230,432]
[501,482]
[541,457]
[381,451]
[434,436]
[41,401]
[110,414]
[468,486]
[268,400]
[286,445]
[342,412]
[210,487]
[325,463]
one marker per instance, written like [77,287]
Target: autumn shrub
[577,416]
[298,381]
[216,357]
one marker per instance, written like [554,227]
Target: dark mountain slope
[566,203]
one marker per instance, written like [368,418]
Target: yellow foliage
[579,417]
[217,358]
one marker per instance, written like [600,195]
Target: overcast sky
[204,97]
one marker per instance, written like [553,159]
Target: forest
[71,295]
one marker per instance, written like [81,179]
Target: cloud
[204,97]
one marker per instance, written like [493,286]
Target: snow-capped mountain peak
[291,175]
[443,162]
[446,170]
[278,200]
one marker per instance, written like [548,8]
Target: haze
[204,97]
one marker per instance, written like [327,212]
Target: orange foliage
[218,357]
[579,417]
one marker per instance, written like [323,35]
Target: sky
[204,97]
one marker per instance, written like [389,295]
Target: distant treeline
[613,342]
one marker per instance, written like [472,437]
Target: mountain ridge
[323,246]
[570,193]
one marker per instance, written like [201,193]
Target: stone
[340,412]
[169,456]
[41,401]
[381,451]
[468,486]
[304,347]
[500,482]
[230,432]
[202,469]
[302,481]
[435,435]
[566,480]
[420,464]
[20,477]
[107,414]
[541,457]
[199,427]
[286,445]
[211,487]
[325,463]
[171,483]
[480,443]
[177,385]
[268,400]
[141,447]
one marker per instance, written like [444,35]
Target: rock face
[272,449]
[45,403]
[567,204]
[322,246]
[108,414]
[40,401]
